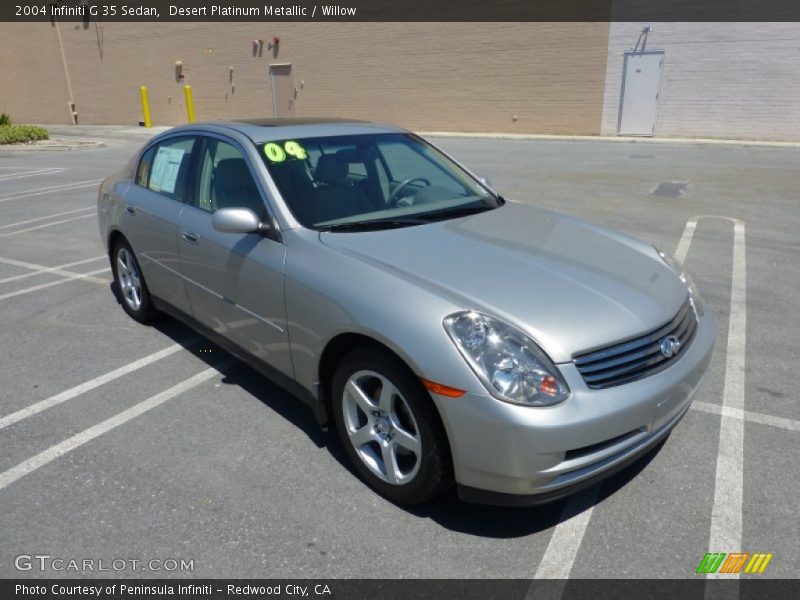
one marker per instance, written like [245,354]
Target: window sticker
[165,169]
[277,153]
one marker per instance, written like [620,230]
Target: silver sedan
[451,336]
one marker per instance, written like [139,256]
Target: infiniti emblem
[669,346]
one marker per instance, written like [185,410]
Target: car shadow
[240,374]
[447,510]
[510,522]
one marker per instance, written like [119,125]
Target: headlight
[511,366]
[694,295]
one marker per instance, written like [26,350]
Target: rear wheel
[134,295]
[389,428]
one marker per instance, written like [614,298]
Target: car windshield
[369,181]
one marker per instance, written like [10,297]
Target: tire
[395,440]
[132,289]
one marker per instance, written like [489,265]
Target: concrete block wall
[720,80]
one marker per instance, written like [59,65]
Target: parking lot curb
[55,144]
[101,135]
[613,139]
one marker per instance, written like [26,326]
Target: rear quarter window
[143,170]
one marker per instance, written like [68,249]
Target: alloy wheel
[130,281]
[381,427]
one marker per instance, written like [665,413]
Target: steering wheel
[394,197]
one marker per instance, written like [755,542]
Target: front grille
[638,357]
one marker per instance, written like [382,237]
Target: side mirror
[236,220]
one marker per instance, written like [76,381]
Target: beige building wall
[470,77]
[720,80]
[32,83]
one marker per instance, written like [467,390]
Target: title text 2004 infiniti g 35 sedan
[449,335]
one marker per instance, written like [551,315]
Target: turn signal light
[549,386]
[442,390]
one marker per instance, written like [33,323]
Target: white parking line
[58,270]
[24,468]
[33,173]
[71,393]
[34,228]
[726,513]
[748,415]
[567,536]
[48,188]
[686,240]
[77,276]
[727,521]
[52,190]
[53,216]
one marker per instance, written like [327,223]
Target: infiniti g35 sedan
[450,336]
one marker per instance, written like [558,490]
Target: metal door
[641,84]
[153,214]
[152,229]
[282,83]
[234,281]
[235,286]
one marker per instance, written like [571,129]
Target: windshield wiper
[395,222]
[373,224]
[458,211]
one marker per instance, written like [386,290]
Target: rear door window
[169,171]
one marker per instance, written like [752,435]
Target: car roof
[267,129]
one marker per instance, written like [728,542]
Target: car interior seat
[336,197]
[233,187]
[179,191]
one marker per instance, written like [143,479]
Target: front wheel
[389,428]
[130,283]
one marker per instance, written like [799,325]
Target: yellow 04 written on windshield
[278,151]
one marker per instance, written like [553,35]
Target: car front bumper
[516,455]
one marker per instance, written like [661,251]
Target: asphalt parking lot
[108,452]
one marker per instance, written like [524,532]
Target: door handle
[130,209]
[190,236]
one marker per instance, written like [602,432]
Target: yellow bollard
[145,106]
[187,90]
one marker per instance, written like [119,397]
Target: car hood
[570,285]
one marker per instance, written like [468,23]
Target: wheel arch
[113,237]
[336,349]
[344,343]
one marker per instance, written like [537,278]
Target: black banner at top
[400,10]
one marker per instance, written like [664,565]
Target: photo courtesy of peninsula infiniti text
[451,337]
